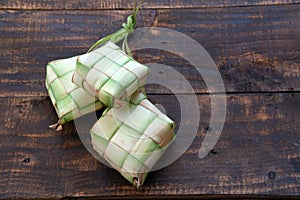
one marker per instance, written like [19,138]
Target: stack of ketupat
[132,134]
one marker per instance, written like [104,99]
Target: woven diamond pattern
[110,74]
[69,100]
[132,138]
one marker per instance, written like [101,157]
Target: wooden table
[256,46]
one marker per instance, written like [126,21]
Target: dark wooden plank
[125,4]
[29,38]
[256,49]
[257,154]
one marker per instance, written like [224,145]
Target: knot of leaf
[129,26]
[122,34]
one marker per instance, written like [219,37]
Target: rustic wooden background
[256,45]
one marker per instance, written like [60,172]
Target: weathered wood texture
[258,153]
[237,39]
[256,46]
[125,4]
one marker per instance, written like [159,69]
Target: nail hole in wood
[26,160]
[272,175]
[208,129]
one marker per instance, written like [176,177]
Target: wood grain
[256,50]
[258,153]
[256,46]
[125,4]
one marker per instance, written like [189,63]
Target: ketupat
[69,100]
[133,138]
[110,74]
[130,136]
[60,85]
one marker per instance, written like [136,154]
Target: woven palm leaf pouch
[69,100]
[110,74]
[133,138]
